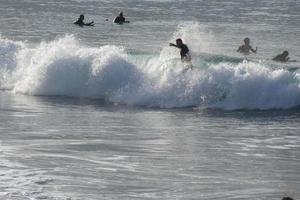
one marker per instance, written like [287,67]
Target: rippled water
[60,148]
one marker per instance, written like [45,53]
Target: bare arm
[254,51]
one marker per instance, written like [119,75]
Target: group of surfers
[245,48]
[120,19]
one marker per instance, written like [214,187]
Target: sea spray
[64,67]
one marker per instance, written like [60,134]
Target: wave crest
[65,67]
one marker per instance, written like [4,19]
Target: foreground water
[108,112]
[60,148]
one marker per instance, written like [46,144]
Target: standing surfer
[184,50]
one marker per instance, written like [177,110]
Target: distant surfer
[120,19]
[287,198]
[184,50]
[80,21]
[283,57]
[246,48]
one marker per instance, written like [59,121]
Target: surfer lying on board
[246,48]
[81,23]
[120,19]
[184,50]
[283,57]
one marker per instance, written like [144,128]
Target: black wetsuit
[119,20]
[281,58]
[184,50]
[79,22]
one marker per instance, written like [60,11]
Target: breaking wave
[65,67]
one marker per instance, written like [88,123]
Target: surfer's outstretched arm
[90,23]
[173,45]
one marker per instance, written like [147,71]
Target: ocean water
[108,112]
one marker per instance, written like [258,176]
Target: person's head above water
[285,53]
[287,198]
[247,40]
[179,41]
[121,14]
[81,17]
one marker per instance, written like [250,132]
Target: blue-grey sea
[110,112]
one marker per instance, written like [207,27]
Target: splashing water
[65,67]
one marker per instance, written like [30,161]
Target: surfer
[120,19]
[287,198]
[246,48]
[283,57]
[80,21]
[184,50]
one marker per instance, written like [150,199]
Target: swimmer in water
[80,21]
[283,57]
[120,19]
[246,48]
[287,198]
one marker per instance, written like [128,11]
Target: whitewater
[65,67]
[111,112]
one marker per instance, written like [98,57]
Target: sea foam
[65,67]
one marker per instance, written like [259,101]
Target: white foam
[67,68]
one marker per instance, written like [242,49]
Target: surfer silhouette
[80,21]
[184,50]
[246,48]
[283,57]
[287,198]
[120,19]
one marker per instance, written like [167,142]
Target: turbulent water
[109,112]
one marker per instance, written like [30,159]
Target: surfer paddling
[80,21]
[246,48]
[283,57]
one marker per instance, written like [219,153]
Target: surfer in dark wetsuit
[283,57]
[120,19]
[287,198]
[184,50]
[81,23]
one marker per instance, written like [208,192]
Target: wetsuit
[119,20]
[281,58]
[79,22]
[184,52]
